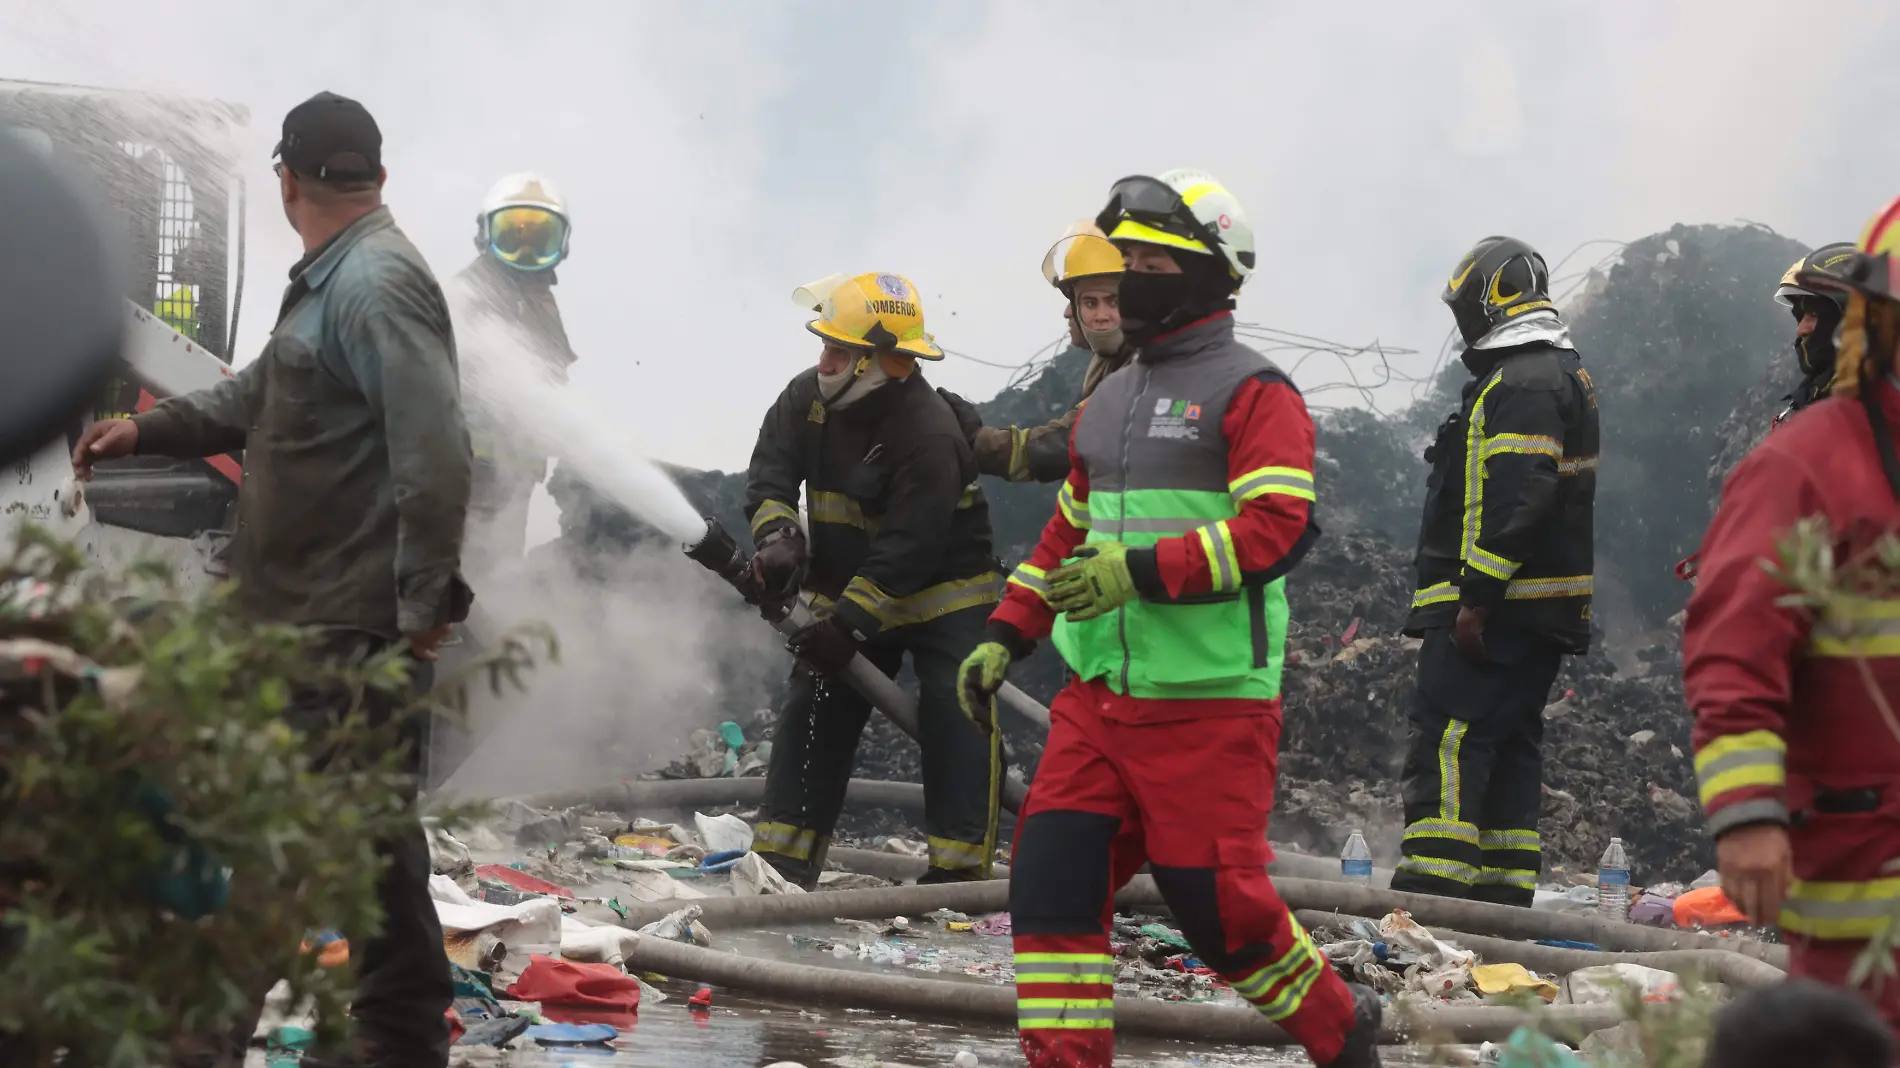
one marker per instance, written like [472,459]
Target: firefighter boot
[1362,1042]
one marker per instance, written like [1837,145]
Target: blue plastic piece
[722,861]
[1381,950]
[561,1034]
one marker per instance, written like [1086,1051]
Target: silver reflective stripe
[1226,572]
[1260,482]
[1577,466]
[1761,810]
[1740,758]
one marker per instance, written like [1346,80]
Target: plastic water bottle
[1613,883]
[1355,861]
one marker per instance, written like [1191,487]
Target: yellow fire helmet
[1083,252]
[1871,283]
[876,312]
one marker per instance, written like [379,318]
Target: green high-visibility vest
[1150,442]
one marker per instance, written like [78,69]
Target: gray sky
[719,154]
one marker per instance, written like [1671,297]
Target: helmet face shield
[1149,210]
[1081,256]
[527,238]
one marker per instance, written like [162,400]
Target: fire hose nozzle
[718,553]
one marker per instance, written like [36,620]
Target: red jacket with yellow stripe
[1786,730]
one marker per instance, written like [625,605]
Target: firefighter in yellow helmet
[897,561]
[1088,271]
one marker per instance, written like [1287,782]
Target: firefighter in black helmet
[1504,582]
[1817,315]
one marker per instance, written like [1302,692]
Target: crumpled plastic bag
[752,876]
[657,886]
[1527,1048]
[722,833]
[1606,984]
[1399,929]
[1511,979]
[1446,982]
[602,944]
[681,926]
[535,922]
[1355,952]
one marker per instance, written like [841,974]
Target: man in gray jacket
[353,499]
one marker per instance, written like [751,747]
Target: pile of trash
[723,751]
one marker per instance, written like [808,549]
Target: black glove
[966,413]
[779,565]
[826,646]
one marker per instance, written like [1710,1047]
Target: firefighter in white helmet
[521,236]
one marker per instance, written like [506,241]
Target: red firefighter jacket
[1785,729]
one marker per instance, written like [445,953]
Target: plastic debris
[1527,1048]
[904,847]
[964,1059]
[604,944]
[722,834]
[1579,899]
[1706,906]
[1706,879]
[448,855]
[535,922]
[1654,910]
[1166,935]
[1607,984]
[714,863]
[567,983]
[495,1031]
[651,845]
[681,926]
[567,1034]
[992,925]
[658,886]
[521,880]
[702,999]
[752,876]
[1511,979]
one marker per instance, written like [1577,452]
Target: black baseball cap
[331,138]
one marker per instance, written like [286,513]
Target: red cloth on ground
[521,880]
[589,993]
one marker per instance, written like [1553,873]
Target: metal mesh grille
[176,297]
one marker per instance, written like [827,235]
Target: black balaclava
[1816,352]
[1155,304]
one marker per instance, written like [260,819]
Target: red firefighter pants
[1118,785]
[1829,961]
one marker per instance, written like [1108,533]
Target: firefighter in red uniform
[1189,500]
[1798,767]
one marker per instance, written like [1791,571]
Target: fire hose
[721,555]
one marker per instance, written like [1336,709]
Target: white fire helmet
[524,223]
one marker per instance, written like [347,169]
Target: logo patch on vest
[1173,419]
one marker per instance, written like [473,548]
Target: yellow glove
[1097,583]
[979,678]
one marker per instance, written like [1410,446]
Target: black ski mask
[1816,351]
[1155,304]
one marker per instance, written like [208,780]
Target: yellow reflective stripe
[952,854]
[830,506]
[1104,959]
[1858,627]
[1526,841]
[1198,190]
[1018,455]
[1518,590]
[1492,564]
[1474,469]
[971,497]
[1223,563]
[1578,466]
[1736,761]
[770,512]
[1452,870]
[1538,588]
[1288,481]
[1449,780]
[1088,1014]
[1031,578]
[1257,984]
[1076,512]
[1070,978]
[1130,230]
[1299,970]
[926,604]
[785,840]
[1518,878]
[1525,444]
[1840,909]
[1455,830]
